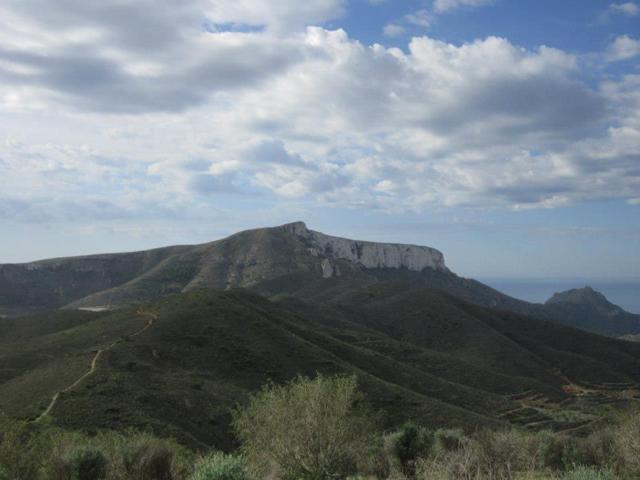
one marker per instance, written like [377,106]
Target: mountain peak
[296,228]
[585,295]
[367,254]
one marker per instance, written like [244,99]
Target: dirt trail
[94,362]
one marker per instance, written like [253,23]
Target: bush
[410,443]
[4,475]
[598,449]
[627,444]
[588,473]
[24,449]
[503,454]
[148,458]
[218,466]
[459,464]
[312,429]
[141,456]
[79,463]
[447,440]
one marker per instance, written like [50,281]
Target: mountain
[173,338]
[180,363]
[271,261]
[590,310]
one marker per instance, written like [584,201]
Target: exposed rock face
[370,254]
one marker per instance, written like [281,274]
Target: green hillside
[179,364]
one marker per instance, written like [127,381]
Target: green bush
[24,449]
[148,458]
[409,443]
[79,463]
[588,473]
[312,429]
[447,440]
[4,475]
[598,449]
[218,466]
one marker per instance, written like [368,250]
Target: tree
[309,428]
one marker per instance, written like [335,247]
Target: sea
[622,292]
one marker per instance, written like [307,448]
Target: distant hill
[268,260]
[178,364]
[590,310]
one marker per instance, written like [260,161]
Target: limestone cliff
[368,254]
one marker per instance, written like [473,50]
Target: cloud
[441,6]
[393,30]
[281,16]
[255,105]
[628,8]
[137,57]
[421,18]
[623,48]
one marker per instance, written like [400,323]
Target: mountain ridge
[265,259]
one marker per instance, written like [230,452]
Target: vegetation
[310,429]
[220,466]
[418,354]
[320,429]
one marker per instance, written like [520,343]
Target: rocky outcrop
[369,254]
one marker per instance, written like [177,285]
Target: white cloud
[89,112]
[441,6]
[393,30]
[282,16]
[421,18]
[623,48]
[628,8]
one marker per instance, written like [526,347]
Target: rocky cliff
[369,254]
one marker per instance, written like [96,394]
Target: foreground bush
[588,473]
[410,443]
[79,463]
[312,429]
[218,466]
[25,449]
[142,456]
[627,444]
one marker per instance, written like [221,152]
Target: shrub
[598,449]
[311,429]
[447,440]
[218,466]
[459,464]
[4,475]
[24,449]
[149,459]
[79,463]
[141,456]
[627,444]
[410,443]
[503,454]
[588,473]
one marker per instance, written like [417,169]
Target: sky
[505,133]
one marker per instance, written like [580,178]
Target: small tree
[311,429]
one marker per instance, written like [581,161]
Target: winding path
[94,362]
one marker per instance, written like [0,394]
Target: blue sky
[505,133]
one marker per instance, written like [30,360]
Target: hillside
[180,363]
[265,260]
